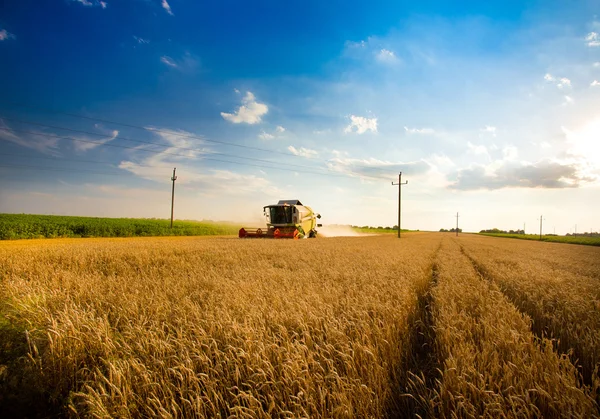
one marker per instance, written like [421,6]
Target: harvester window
[280,215]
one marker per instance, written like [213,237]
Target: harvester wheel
[259,232]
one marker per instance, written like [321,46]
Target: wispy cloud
[165,5]
[568,101]
[86,143]
[304,152]
[188,63]
[595,83]
[375,168]
[250,112]
[141,40]
[386,56]
[168,61]
[489,130]
[593,39]
[5,35]
[419,130]
[38,141]
[277,133]
[265,136]
[180,149]
[360,125]
[90,3]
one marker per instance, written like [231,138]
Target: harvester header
[287,219]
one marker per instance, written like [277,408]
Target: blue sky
[490,109]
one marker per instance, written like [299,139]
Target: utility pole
[523,228]
[457,224]
[399,184]
[173,178]
[541,219]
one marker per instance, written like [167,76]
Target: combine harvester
[285,220]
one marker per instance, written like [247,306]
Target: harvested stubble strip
[208,328]
[563,303]
[493,364]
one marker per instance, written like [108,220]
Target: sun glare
[585,141]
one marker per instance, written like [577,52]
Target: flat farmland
[431,325]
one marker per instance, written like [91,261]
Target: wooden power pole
[173,178]
[399,184]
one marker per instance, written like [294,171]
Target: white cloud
[250,112]
[477,149]
[595,83]
[89,3]
[168,61]
[265,136]
[179,149]
[593,40]
[166,6]
[568,101]
[304,152]
[186,64]
[564,82]
[386,56]
[276,134]
[560,82]
[360,124]
[510,152]
[511,174]
[356,45]
[4,35]
[376,169]
[141,40]
[596,65]
[85,143]
[489,129]
[411,131]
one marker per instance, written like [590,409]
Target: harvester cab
[286,219]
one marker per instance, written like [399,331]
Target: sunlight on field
[345,327]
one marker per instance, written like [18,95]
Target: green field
[28,226]
[587,240]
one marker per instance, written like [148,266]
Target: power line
[174,154]
[151,143]
[106,121]
[58,169]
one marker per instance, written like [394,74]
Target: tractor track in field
[421,368]
[540,328]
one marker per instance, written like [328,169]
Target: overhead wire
[174,154]
[150,142]
[106,121]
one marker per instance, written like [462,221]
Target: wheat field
[430,325]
